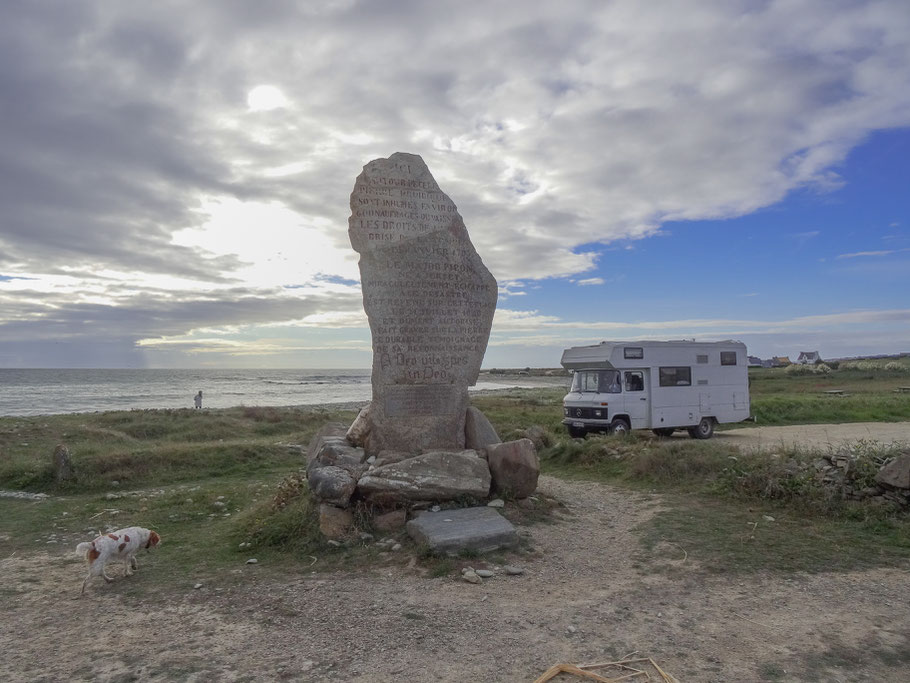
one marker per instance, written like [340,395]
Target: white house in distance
[808,358]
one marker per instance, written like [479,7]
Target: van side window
[701,358]
[728,357]
[675,377]
[635,381]
[633,352]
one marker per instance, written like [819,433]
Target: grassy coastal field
[799,394]
[230,473]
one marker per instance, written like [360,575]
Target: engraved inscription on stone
[427,294]
[431,399]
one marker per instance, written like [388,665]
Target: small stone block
[480,529]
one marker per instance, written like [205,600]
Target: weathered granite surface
[430,302]
[336,450]
[478,431]
[896,473]
[434,476]
[332,485]
[328,430]
[480,529]
[335,523]
[515,467]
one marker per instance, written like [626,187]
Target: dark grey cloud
[96,164]
[553,127]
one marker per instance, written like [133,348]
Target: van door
[637,398]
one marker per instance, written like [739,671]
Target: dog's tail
[83,548]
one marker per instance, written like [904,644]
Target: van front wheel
[703,430]
[619,427]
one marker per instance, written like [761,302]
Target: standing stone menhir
[430,302]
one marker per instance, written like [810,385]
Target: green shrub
[799,370]
[289,521]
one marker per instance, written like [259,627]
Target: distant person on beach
[197,399]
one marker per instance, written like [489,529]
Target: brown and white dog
[117,546]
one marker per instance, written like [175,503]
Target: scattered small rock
[484,573]
[24,495]
[511,570]
[197,586]
[767,518]
[471,577]
[496,503]
[390,521]
[252,560]
[396,547]
[571,629]
[335,544]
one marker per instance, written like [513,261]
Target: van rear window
[728,357]
[675,377]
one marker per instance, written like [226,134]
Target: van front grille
[586,413]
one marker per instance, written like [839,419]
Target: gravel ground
[817,436]
[589,593]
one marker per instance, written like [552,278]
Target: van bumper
[586,423]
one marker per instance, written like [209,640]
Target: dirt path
[589,593]
[817,436]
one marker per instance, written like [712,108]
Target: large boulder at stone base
[389,457]
[478,432]
[390,521]
[331,485]
[514,467]
[329,429]
[359,431]
[335,450]
[479,529]
[433,476]
[896,473]
[335,523]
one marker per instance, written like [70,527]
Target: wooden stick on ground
[663,674]
[557,669]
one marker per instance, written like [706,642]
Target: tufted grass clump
[288,520]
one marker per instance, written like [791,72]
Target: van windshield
[597,381]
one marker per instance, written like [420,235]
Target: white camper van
[659,385]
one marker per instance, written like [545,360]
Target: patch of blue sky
[813,252]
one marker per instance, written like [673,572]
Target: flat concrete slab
[480,529]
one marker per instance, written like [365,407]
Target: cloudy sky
[175,176]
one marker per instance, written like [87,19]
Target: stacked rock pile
[394,483]
[839,471]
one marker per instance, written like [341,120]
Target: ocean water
[47,392]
